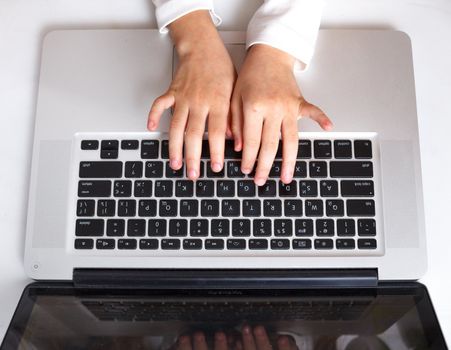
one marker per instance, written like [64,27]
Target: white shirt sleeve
[288,25]
[167,11]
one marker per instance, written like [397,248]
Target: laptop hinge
[224,279]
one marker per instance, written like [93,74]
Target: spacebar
[93,170]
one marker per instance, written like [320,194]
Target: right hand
[201,90]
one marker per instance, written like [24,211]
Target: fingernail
[151,125]
[246,171]
[216,166]
[192,173]
[260,181]
[246,330]
[287,177]
[174,163]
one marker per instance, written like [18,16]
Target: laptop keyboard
[128,199]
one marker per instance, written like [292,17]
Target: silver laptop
[107,215]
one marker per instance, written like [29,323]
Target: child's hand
[266,101]
[201,88]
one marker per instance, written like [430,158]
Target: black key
[171,173]
[314,207]
[178,227]
[97,170]
[230,151]
[258,244]
[89,227]
[106,207]
[122,188]
[345,227]
[288,190]
[335,208]
[357,188]
[214,244]
[262,228]
[89,145]
[358,207]
[251,208]
[149,149]
[220,228]
[308,188]
[302,244]
[129,144]
[325,227]
[143,188]
[303,227]
[351,169]
[363,149]
[230,207]
[192,244]
[154,169]
[146,244]
[300,169]
[209,207]
[268,189]
[85,207]
[211,173]
[293,207]
[108,154]
[170,244]
[367,243]
[126,244]
[276,169]
[136,227]
[322,149]
[115,227]
[272,207]
[126,207]
[280,244]
[324,243]
[163,188]
[225,188]
[168,207]
[241,227]
[329,188]
[133,169]
[110,145]
[205,150]
[279,153]
[234,169]
[236,244]
[318,169]
[246,188]
[283,228]
[205,188]
[84,243]
[198,228]
[189,207]
[147,207]
[304,149]
[184,188]
[105,244]
[156,228]
[345,243]
[342,149]
[165,149]
[366,227]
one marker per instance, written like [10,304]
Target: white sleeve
[167,11]
[288,25]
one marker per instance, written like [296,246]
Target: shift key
[94,188]
[94,170]
[351,169]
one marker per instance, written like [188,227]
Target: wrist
[273,54]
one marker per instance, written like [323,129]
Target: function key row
[322,149]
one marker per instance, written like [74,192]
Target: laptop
[128,253]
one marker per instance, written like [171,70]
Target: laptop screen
[387,317]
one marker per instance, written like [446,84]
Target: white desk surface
[23,24]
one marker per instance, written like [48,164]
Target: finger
[184,343]
[199,341]
[307,109]
[229,133]
[261,338]
[239,345]
[158,107]
[268,150]
[252,130]
[220,341]
[290,148]
[248,338]
[176,136]
[193,142]
[283,343]
[236,108]
[217,127]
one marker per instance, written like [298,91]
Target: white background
[24,22]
